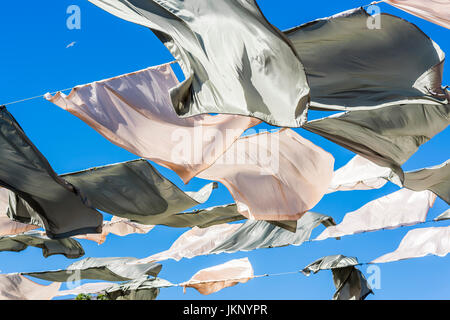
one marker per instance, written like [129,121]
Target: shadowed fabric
[435,179]
[291,172]
[386,136]
[261,234]
[259,74]
[87,288]
[7,226]
[401,208]
[134,112]
[350,283]
[351,66]
[138,289]
[68,247]
[432,10]
[420,243]
[213,279]
[48,200]
[108,269]
[443,216]
[17,287]
[135,190]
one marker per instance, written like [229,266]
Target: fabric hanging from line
[68,247]
[386,136]
[291,172]
[420,243]
[9,227]
[45,199]
[135,190]
[134,112]
[260,234]
[107,269]
[17,287]
[435,179]
[350,283]
[259,75]
[350,66]
[213,279]
[359,174]
[138,289]
[87,288]
[443,216]
[431,10]
[401,208]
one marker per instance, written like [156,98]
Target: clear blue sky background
[34,60]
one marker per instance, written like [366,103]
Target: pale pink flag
[401,208]
[9,227]
[134,111]
[274,175]
[359,174]
[436,11]
[194,242]
[118,226]
[420,243]
[213,279]
[17,287]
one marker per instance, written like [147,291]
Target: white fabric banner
[9,227]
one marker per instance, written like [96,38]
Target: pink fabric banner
[436,11]
[17,287]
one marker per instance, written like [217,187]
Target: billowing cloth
[118,226]
[261,234]
[108,269]
[350,283]
[68,247]
[259,74]
[401,208]
[436,11]
[87,288]
[359,174]
[386,136]
[350,66]
[7,226]
[17,287]
[443,216]
[435,179]
[194,242]
[41,197]
[138,289]
[135,190]
[213,279]
[420,243]
[291,172]
[134,112]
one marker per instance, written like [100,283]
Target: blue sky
[34,60]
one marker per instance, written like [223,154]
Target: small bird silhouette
[70,45]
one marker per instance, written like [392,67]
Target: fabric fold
[443,216]
[420,243]
[138,289]
[41,197]
[17,287]
[259,75]
[134,112]
[401,208]
[9,227]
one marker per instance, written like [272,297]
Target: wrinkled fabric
[68,247]
[352,66]
[386,136]
[401,208]
[9,227]
[443,216]
[435,179]
[138,289]
[118,226]
[291,172]
[259,74]
[194,242]
[432,10]
[261,234]
[213,279]
[17,287]
[87,288]
[135,190]
[420,243]
[107,269]
[45,199]
[350,283]
[134,112]
[359,174]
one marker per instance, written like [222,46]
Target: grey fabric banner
[48,200]
[139,289]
